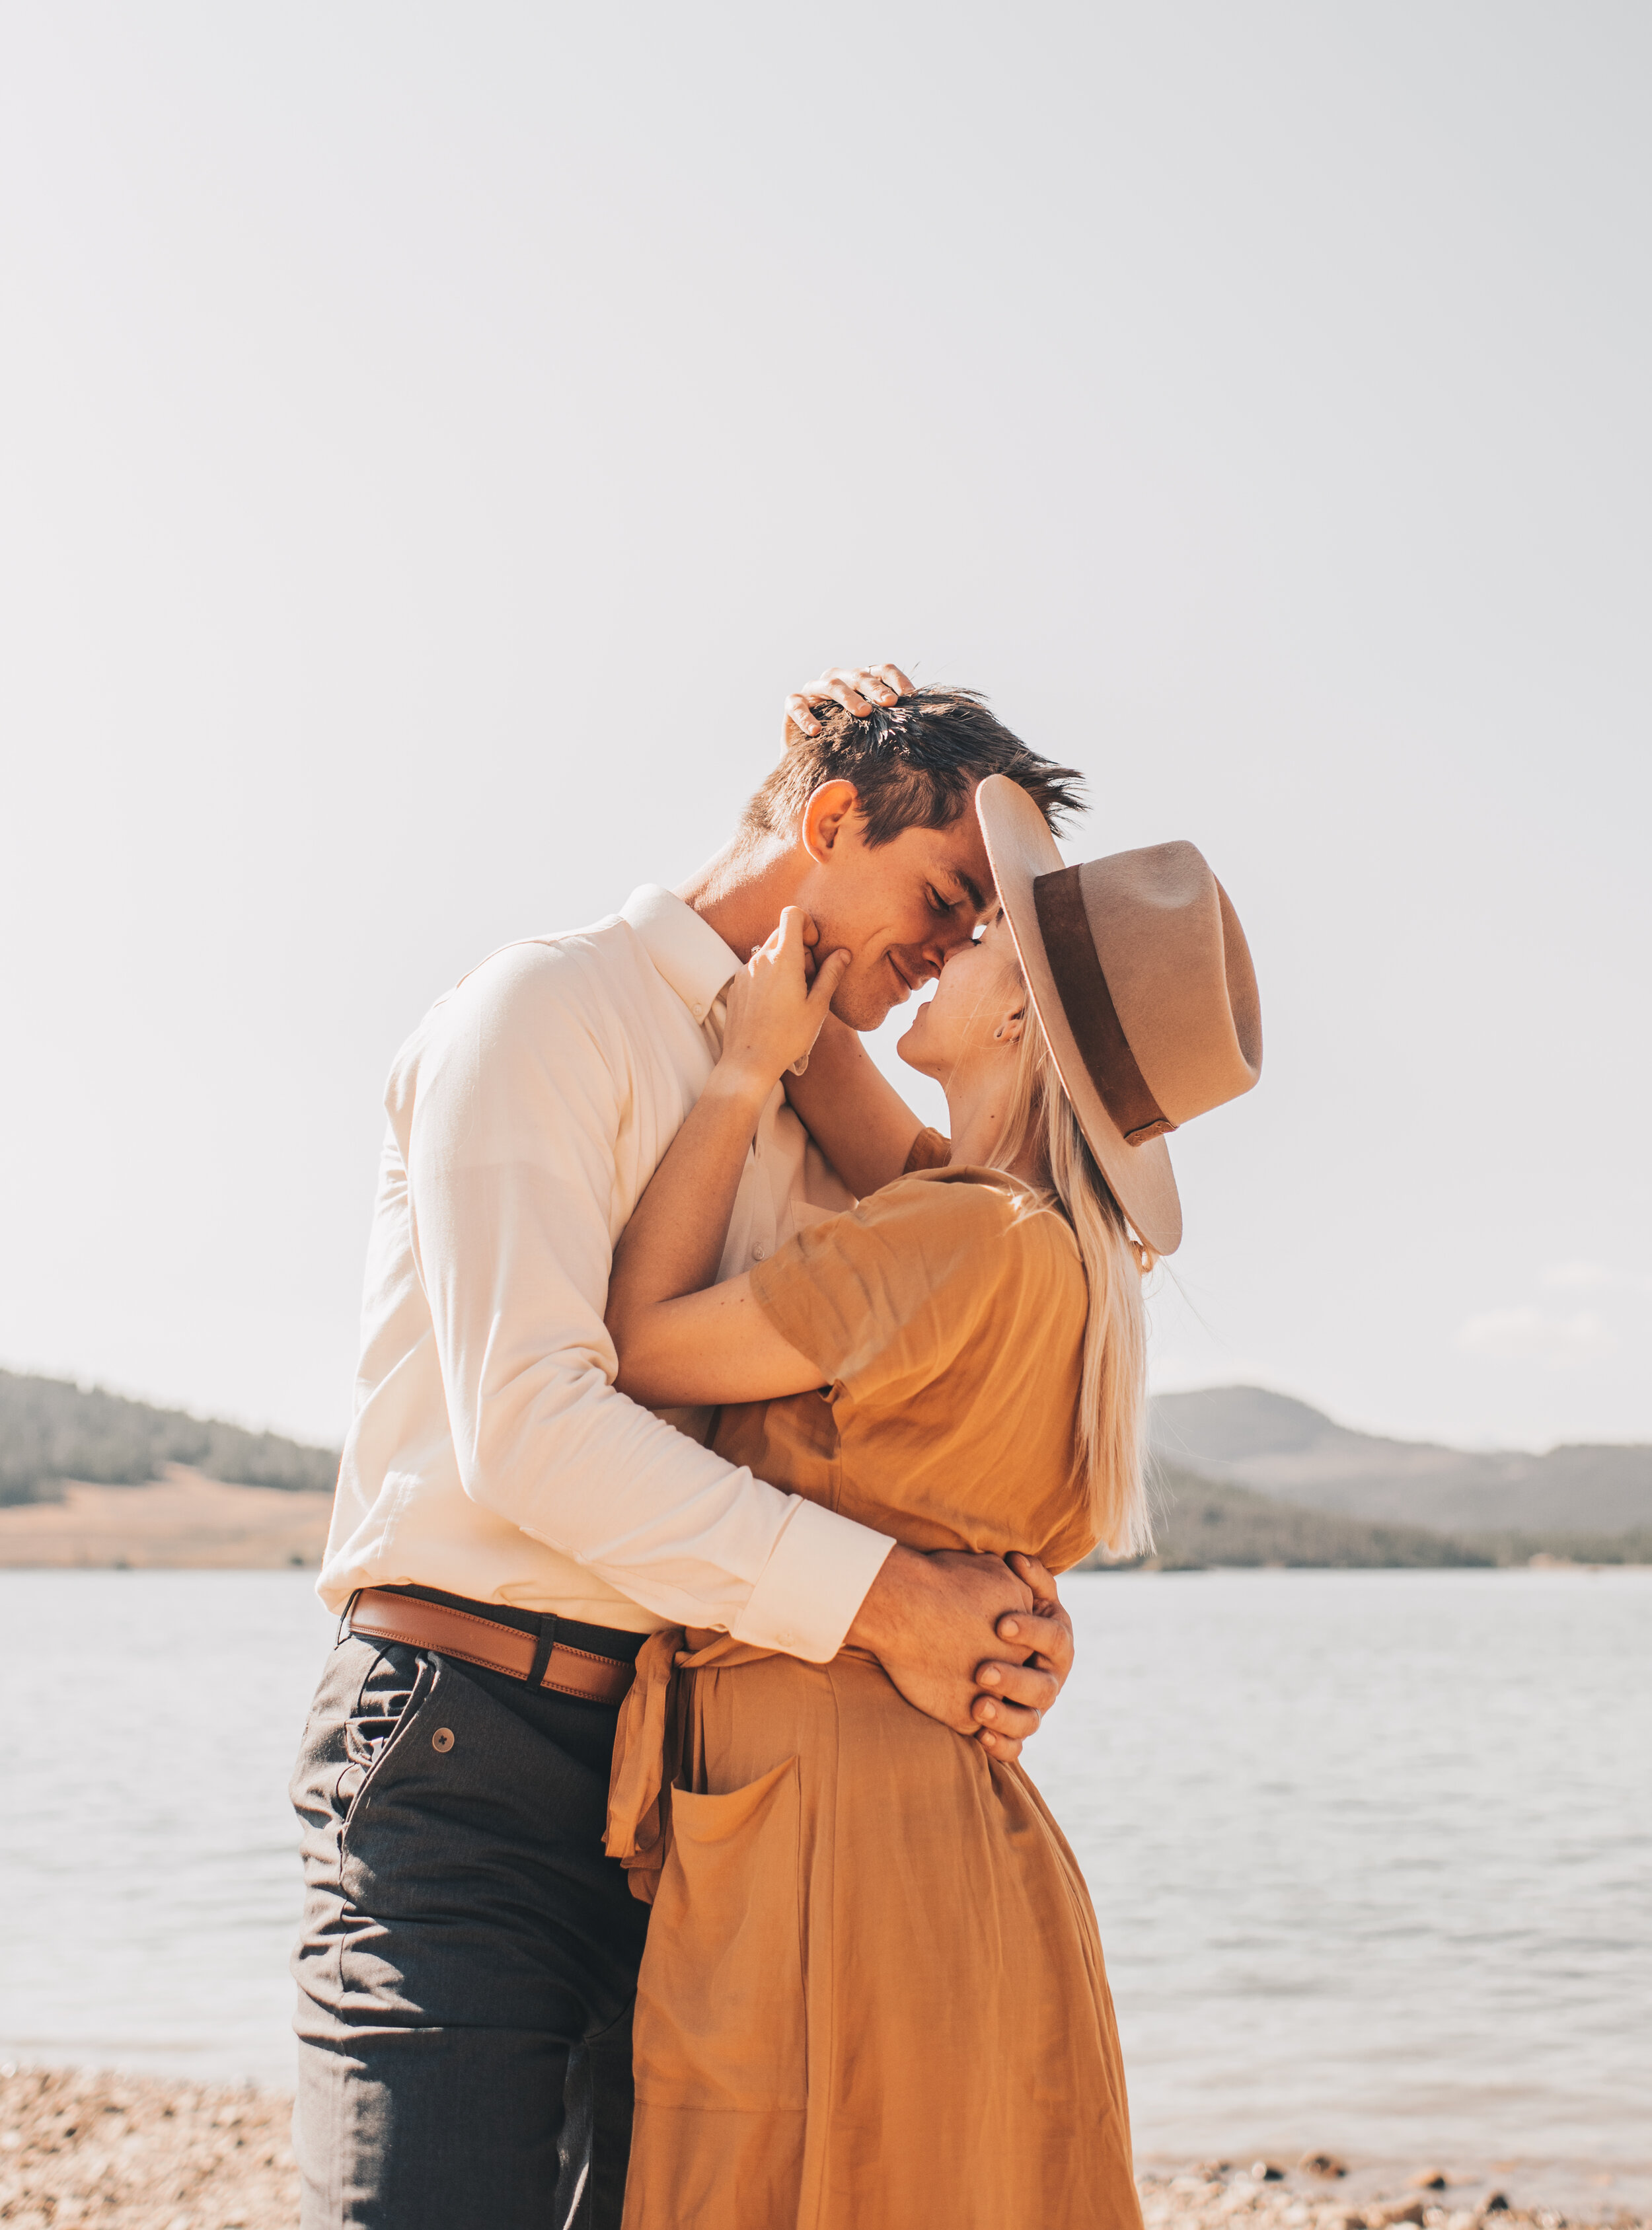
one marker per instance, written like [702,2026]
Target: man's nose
[938,948]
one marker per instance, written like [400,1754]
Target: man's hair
[914,764]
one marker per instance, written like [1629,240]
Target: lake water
[1371,1852]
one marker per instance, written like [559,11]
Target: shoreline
[115,2151]
[183,1521]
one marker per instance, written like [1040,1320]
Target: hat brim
[1021,848]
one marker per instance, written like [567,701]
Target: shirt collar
[687,950]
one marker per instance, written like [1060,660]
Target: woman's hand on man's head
[856,689]
[774,1011]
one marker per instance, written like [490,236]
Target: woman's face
[980,994]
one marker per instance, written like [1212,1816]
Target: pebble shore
[1320,2193]
[127,2152]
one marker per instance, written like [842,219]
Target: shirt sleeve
[883,1298]
[508,1124]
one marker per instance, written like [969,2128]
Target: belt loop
[345,1617]
[545,1644]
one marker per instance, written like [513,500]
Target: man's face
[899,908]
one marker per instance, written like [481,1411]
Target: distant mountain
[1199,1522]
[52,1430]
[1287,1450]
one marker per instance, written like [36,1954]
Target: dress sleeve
[882,1299]
[930,1150]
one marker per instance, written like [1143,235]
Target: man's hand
[1018,1694]
[856,689]
[932,1620]
[938,1625]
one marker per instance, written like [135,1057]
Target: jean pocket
[386,1706]
[720,2003]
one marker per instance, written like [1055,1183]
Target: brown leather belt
[380,1615]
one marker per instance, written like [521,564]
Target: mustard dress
[873,1995]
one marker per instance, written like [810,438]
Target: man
[508,1526]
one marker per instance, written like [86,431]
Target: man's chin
[863,1006]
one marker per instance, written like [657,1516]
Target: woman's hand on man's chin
[774,1013]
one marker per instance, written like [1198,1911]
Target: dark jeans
[469,1953]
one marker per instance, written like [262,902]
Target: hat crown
[1142,981]
[1180,974]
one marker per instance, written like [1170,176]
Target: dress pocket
[720,2002]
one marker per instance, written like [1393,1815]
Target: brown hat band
[1069,946]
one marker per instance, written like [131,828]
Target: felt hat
[1141,978]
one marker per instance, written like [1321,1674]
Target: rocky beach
[124,2152]
[91,2148]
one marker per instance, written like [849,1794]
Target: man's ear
[824,818]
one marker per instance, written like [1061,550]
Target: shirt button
[759,1252]
[442,1739]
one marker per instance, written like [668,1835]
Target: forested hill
[1200,1522]
[52,1430]
[1291,1452]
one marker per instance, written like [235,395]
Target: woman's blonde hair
[1113,1389]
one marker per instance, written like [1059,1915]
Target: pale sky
[435,438]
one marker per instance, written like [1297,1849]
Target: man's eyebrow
[973,889]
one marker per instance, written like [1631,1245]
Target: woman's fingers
[785,939]
[829,973]
[799,714]
[773,1016]
[856,689]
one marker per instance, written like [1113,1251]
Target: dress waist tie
[648,1747]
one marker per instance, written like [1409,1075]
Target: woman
[873,1993]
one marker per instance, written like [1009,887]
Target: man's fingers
[1033,1685]
[1049,1636]
[1047,1627]
[896,680]
[1002,1749]
[1039,1577]
[992,1713]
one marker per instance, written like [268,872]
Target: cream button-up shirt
[488,1452]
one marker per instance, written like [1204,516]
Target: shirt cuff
[809,1593]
